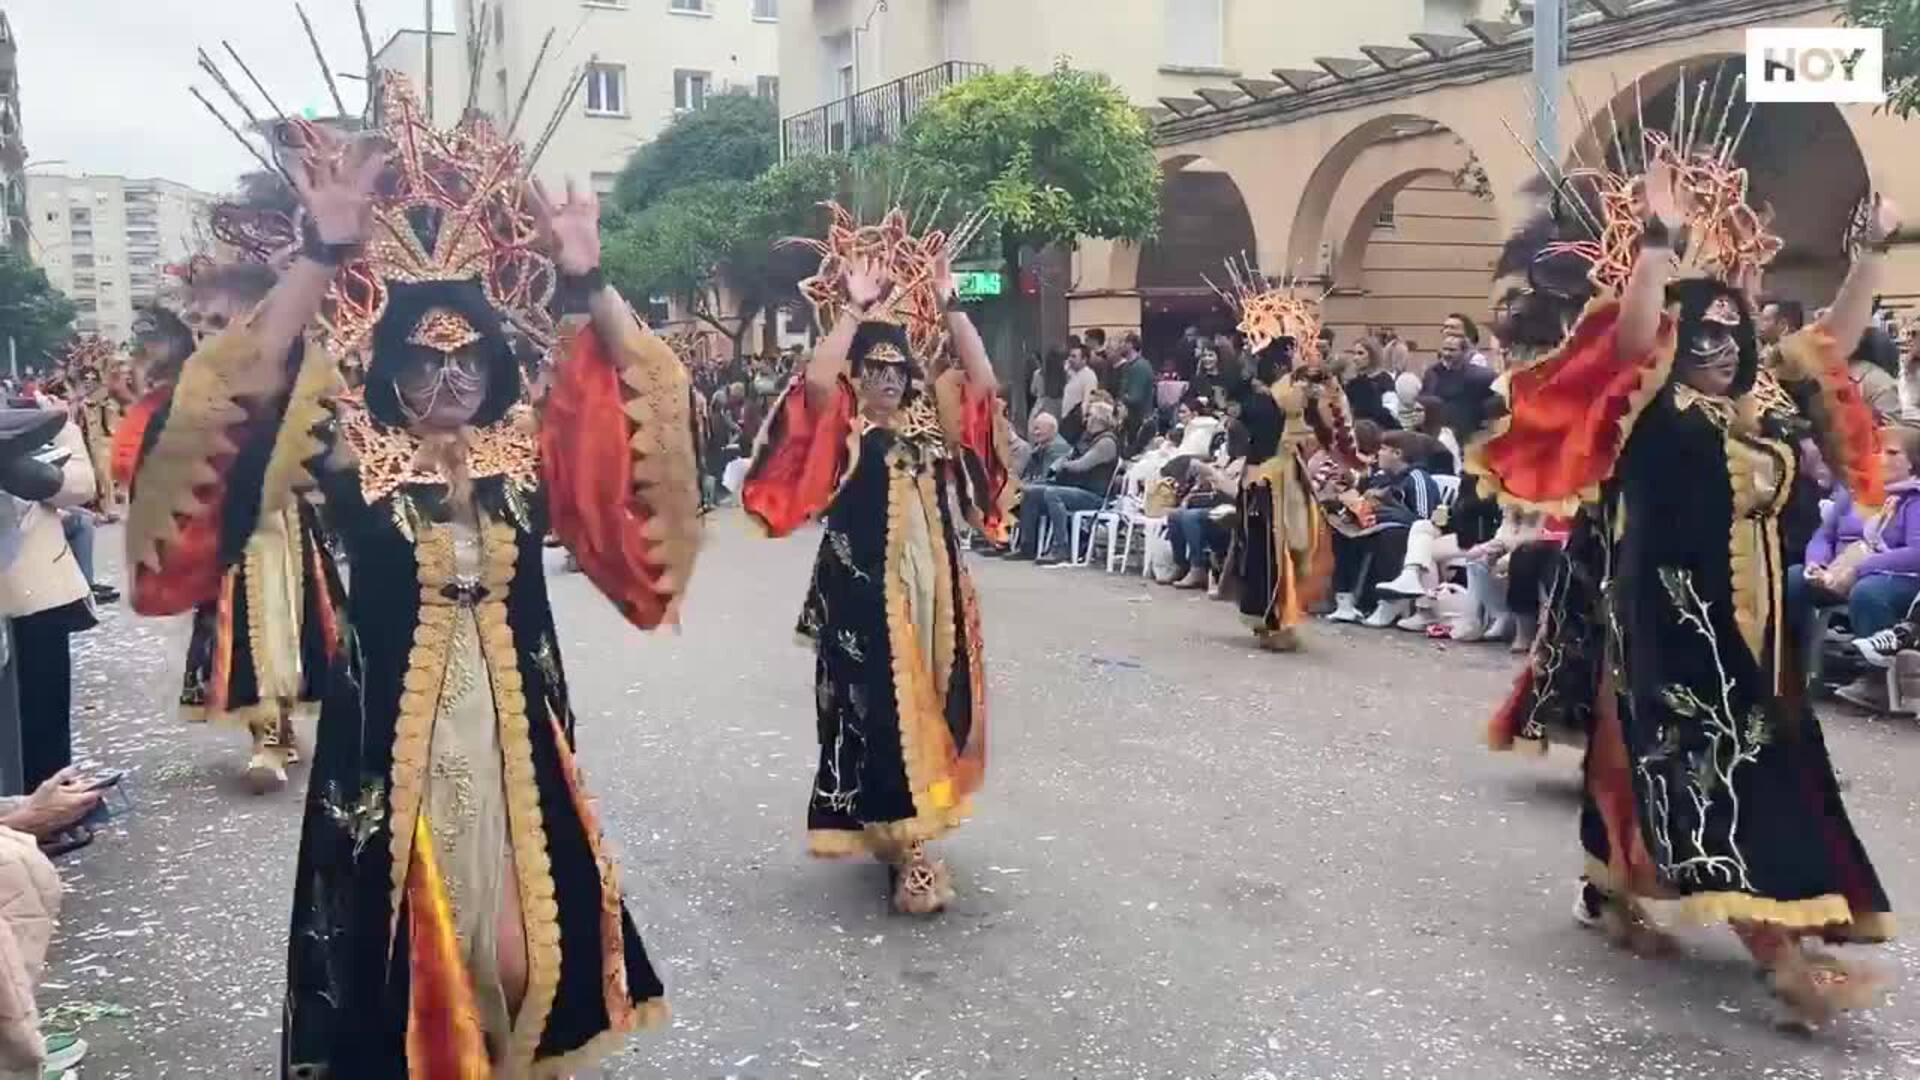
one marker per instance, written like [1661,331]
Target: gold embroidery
[168,486]
[665,470]
[420,695]
[443,330]
[298,443]
[390,458]
[525,824]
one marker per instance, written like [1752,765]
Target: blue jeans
[1057,504]
[78,525]
[1878,601]
[1195,537]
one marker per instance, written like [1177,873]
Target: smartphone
[105,780]
[113,800]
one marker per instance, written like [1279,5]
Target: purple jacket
[1895,543]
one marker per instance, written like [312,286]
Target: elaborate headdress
[453,209]
[83,355]
[1599,209]
[915,304]
[1271,310]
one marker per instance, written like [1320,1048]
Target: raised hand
[943,283]
[570,229]
[1660,194]
[868,282]
[335,181]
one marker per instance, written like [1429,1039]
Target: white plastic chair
[1449,492]
[1129,516]
[1092,520]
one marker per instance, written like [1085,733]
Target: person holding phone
[46,597]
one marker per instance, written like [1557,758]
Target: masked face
[1710,358]
[210,313]
[883,386]
[442,391]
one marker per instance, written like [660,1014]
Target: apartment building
[105,241]
[644,61]
[13,146]
[833,50]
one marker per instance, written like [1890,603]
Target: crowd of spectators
[1414,546]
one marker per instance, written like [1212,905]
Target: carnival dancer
[1707,780]
[259,650]
[455,910]
[894,461]
[1290,404]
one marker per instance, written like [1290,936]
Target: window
[83,262]
[604,183]
[1387,218]
[767,88]
[86,303]
[606,90]
[500,24]
[695,7]
[82,217]
[690,89]
[766,9]
[1194,33]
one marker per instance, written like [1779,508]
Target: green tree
[1055,157]
[33,314]
[716,245]
[1901,21]
[735,137]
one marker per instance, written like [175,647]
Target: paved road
[1192,861]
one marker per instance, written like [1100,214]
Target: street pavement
[1192,860]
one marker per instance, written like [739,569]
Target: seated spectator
[1872,565]
[1383,508]
[1037,456]
[1079,483]
[1196,430]
[1198,530]
[1874,367]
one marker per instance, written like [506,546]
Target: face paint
[444,388]
[877,379]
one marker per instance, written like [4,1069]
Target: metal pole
[13,358]
[1549,57]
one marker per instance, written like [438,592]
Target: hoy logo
[1816,64]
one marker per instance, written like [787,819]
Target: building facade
[643,62]
[1392,178]
[105,241]
[13,145]
[834,49]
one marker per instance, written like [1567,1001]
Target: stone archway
[1204,221]
[1804,162]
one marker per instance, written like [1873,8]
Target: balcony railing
[872,117]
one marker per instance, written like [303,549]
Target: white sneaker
[1388,613]
[1196,579]
[1344,611]
[1407,584]
[1416,623]
[1501,628]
